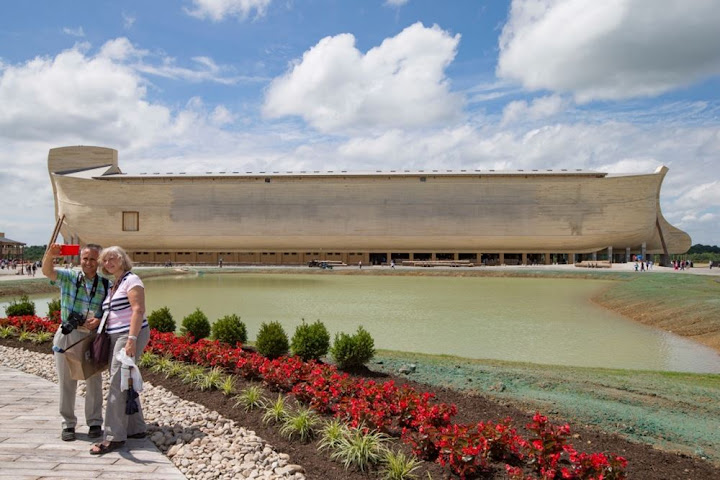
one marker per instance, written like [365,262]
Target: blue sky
[620,86]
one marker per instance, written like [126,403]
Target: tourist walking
[81,296]
[129,332]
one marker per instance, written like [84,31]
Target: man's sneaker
[68,434]
[95,431]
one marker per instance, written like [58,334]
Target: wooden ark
[295,217]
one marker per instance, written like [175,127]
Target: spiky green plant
[42,337]
[161,365]
[25,336]
[227,387]
[191,374]
[398,466]
[331,434]
[276,411]
[175,369]
[250,398]
[300,423]
[210,380]
[360,449]
[8,331]
[148,359]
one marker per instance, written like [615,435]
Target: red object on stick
[69,249]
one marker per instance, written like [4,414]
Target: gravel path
[201,443]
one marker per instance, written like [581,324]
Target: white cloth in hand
[129,370]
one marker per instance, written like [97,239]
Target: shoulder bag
[100,348]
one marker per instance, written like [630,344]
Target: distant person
[392,263]
[81,296]
[360,264]
[220,261]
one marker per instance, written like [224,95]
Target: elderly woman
[128,329]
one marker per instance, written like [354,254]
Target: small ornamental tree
[311,342]
[229,329]
[272,341]
[54,309]
[352,352]
[20,308]
[162,320]
[196,324]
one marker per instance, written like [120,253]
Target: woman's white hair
[116,252]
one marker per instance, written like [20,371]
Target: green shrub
[229,329]
[351,352]
[162,320]
[54,308]
[19,308]
[311,342]
[272,341]
[196,324]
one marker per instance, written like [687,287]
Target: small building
[10,249]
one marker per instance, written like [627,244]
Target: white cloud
[221,116]
[75,32]
[120,49]
[128,20]
[396,3]
[539,108]
[611,49]
[217,10]
[702,196]
[401,83]
[73,96]
[143,61]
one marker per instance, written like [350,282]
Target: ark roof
[101,173]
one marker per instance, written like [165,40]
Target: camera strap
[80,280]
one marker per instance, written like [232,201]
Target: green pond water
[549,321]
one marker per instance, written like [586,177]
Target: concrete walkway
[31,448]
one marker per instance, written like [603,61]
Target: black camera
[74,320]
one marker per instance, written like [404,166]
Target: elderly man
[81,297]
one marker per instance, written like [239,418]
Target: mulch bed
[644,461]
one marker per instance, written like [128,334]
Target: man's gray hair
[93,246]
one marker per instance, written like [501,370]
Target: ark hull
[472,212]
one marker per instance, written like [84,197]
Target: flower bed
[401,411]
[466,450]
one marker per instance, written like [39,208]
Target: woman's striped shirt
[118,320]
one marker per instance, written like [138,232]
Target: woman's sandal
[103,448]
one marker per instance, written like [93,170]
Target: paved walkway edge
[31,448]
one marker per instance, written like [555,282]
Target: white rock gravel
[201,443]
